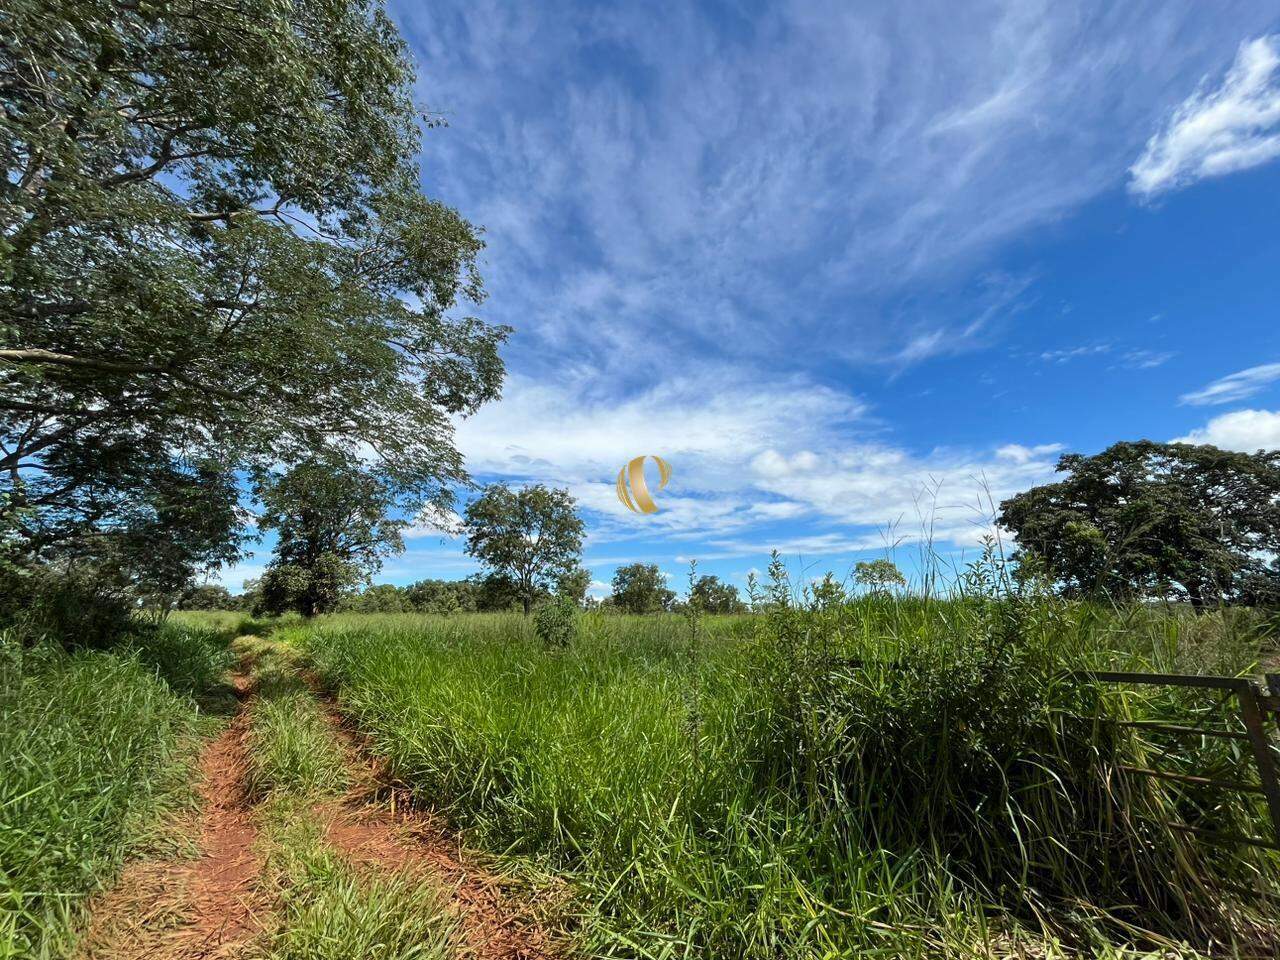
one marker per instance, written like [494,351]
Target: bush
[885,774]
[556,623]
[90,745]
[75,609]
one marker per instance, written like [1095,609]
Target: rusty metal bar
[1233,684]
[1273,695]
[1189,778]
[1249,696]
[1175,728]
[1213,836]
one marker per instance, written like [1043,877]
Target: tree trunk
[1195,596]
[528,603]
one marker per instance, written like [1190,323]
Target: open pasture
[891,775]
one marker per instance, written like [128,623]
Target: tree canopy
[334,525]
[531,536]
[215,254]
[641,588]
[1145,519]
[715,596]
[879,575]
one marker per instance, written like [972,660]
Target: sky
[856,271]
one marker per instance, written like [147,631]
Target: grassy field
[900,777]
[95,749]
[884,776]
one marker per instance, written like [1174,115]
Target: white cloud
[1215,132]
[745,457]
[1245,430]
[434,521]
[1020,454]
[1236,386]
[1074,353]
[1147,359]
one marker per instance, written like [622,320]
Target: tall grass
[93,745]
[326,907]
[884,774]
[290,745]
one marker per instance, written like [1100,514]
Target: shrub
[75,609]
[556,623]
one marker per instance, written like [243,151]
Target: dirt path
[217,905]
[378,826]
[207,909]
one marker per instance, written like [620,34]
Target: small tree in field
[715,596]
[641,588]
[532,536]
[209,596]
[334,529]
[573,586]
[878,575]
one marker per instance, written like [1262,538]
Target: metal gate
[1255,703]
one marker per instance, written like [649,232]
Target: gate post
[1251,698]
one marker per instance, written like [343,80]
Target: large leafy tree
[715,596]
[214,250]
[334,526]
[532,536]
[641,588]
[1147,519]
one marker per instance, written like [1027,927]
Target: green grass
[94,748]
[889,776]
[291,746]
[326,909]
[329,910]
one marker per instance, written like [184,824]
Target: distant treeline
[636,588]
[426,596]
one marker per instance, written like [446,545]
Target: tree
[207,596]
[1146,519]
[499,593]
[215,255]
[573,585]
[441,596]
[878,575]
[532,536]
[715,596]
[379,598]
[641,588]
[334,525]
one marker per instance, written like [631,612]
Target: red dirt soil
[207,909]
[395,836]
[213,908]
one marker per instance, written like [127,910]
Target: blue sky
[845,266]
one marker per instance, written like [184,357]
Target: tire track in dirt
[378,826]
[206,909]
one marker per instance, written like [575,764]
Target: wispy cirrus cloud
[1234,387]
[661,180]
[1217,131]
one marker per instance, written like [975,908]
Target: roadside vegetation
[96,752]
[831,776]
